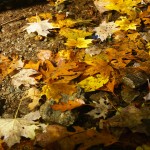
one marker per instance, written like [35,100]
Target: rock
[134,78]
[51,116]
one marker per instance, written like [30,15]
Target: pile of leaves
[88,73]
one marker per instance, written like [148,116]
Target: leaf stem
[18,109]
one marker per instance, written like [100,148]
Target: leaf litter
[71,69]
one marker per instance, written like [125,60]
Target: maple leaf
[41,27]
[101,108]
[105,30]
[13,129]
[101,5]
[79,42]
[74,33]
[123,6]
[93,83]
[125,24]
[23,77]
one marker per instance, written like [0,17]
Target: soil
[15,41]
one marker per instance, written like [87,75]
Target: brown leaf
[57,137]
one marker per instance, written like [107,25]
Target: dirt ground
[14,40]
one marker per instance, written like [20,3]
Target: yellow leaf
[32,65]
[125,24]
[123,6]
[74,33]
[35,95]
[44,16]
[93,83]
[55,91]
[80,42]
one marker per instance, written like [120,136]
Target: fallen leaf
[100,5]
[35,95]
[105,30]
[32,116]
[74,33]
[101,108]
[55,91]
[13,129]
[23,77]
[32,65]
[69,105]
[44,55]
[93,83]
[79,42]
[41,27]
[57,137]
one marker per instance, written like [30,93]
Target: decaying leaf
[101,108]
[57,137]
[23,77]
[129,116]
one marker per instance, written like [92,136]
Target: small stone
[134,78]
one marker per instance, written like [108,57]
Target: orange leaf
[32,65]
[71,104]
